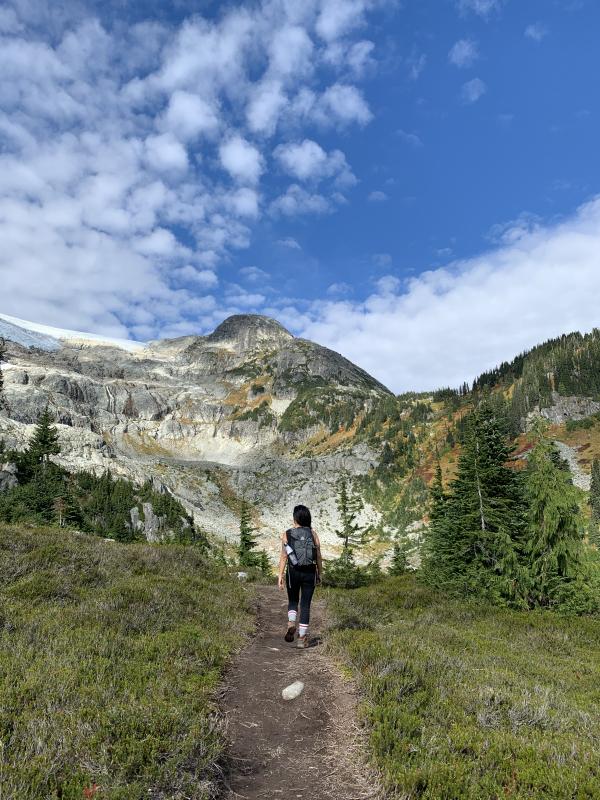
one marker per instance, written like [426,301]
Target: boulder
[8,477]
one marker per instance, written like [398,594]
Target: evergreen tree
[477,532]
[246,555]
[594,499]
[399,562]
[349,505]
[555,526]
[44,442]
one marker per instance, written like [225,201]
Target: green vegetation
[582,424]
[48,494]
[249,557]
[510,536]
[319,404]
[594,503]
[261,413]
[466,701]
[344,572]
[110,656]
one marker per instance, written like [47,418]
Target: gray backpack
[303,544]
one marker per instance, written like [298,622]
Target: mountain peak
[249,330]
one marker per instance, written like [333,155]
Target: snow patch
[32,334]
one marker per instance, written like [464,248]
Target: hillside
[252,412]
[110,657]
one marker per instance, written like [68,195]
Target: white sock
[302,630]
[292,616]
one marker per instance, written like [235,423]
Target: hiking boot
[302,642]
[290,633]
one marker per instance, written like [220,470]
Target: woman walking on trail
[301,552]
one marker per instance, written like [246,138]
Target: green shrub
[110,655]
[465,700]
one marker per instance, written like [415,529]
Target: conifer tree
[555,527]
[478,530]
[436,555]
[594,502]
[44,442]
[246,555]
[399,562]
[349,505]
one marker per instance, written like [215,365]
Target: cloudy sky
[415,184]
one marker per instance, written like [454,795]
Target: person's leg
[293,590]
[308,589]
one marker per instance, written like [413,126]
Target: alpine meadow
[299,400]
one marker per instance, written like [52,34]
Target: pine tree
[478,529]
[247,545]
[399,562]
[349,505]
[555,526]
[44,442]
[594,499]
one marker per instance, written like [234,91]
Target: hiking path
[309,747]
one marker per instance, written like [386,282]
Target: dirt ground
[310,747]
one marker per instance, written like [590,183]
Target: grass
[463,700]
[110,656]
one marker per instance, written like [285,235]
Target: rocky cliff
[249,411]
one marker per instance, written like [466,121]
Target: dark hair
[302,516]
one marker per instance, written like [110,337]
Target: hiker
[301,551]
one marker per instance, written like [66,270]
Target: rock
[293,691]
[8,477]
[581,479]
[153,525]
[565,408]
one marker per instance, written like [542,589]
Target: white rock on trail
[293,691]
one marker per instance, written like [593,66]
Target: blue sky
[414,184]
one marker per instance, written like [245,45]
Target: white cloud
[289,242]
[297,200]
[119,144]
[307,160]
[339,17]
[344,104]
[205,278]
[472,91]
[377,196]
[484,8]
[266,102]
[254,274]
[463,53]
[416,63]
[189,115]
[449,325]
[410,138]
[537,32]
[164,153]
[241,159]
[340,289]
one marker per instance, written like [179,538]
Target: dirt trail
[309,747]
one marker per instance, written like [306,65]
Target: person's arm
[319,559]
[282,562]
